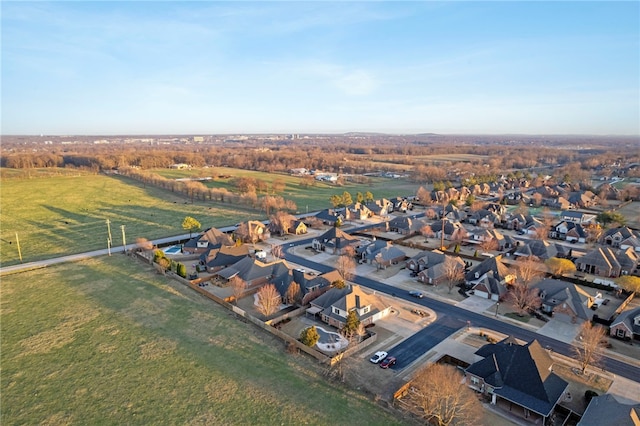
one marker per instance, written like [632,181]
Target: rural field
[109,341]
[60,215]
[310,198]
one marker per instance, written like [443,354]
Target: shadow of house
[311,285]
[520,375]
[627,325]
[210,239]
[566,301]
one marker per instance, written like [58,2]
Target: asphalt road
[450,319]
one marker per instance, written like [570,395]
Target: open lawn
[62,215]
[109,341]
[310,198]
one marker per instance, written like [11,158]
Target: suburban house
[489,279]
[219,258]
[577,217]
[608,262]
[311,285]
[484,218]
[502,242]
[436,273]
[383,254]
[622,237]
[542,250]
[567,302]
[253,231]
[606,410]
[334,240]
[334,306]
[627,325]
[424,260]
[253,272]
[452,230]
[380,207]
[283,227]
[520,222]
[517,378]
[402,225]
[569,231]
[357,211]
[211,238]
[330,216]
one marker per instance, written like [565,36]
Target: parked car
[416,293]
[378,356]
[388,362]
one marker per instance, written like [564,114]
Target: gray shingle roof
[521,374]
[605,410]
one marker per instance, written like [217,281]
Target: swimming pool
[330,341]
[173,250]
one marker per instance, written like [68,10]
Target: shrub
[310,336]
[181,270]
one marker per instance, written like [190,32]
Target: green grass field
[56,216]
[109,341]
[306,198]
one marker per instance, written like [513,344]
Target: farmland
[62,215]
[310,198]
[109,341]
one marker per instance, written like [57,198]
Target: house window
[620,333]
[477,275]
[336,310]
[475,381]
[365,310]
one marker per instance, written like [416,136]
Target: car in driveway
[416,293]
[378,356]
[388,362]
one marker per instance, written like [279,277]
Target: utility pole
[124,242]
[109,229]
[18,243]
[109,246]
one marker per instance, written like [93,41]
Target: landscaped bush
[181,270]
[310,336]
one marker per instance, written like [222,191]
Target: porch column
[493,399]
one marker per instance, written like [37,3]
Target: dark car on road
[416,293]
[388,362]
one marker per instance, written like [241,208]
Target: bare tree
[346,266]
[268,300]
[427,232]
[453,272]
[528,270]
[293,293]
[489,244]
[439,396]
[523,297]
[589,349]
[238,286]
[143,244]
[277,251]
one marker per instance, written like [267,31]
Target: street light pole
[497,306]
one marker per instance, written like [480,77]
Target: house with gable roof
[577,217]
[219,258]
[518,377]
[211,238]
[334,306]
[622,237]
[542,249]
[253,272]
[489,279]
[626,325]
[334,240]
[606,410]
[608,262]
[566,301]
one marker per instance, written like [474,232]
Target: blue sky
[296,67]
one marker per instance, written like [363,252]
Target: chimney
[357,301]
